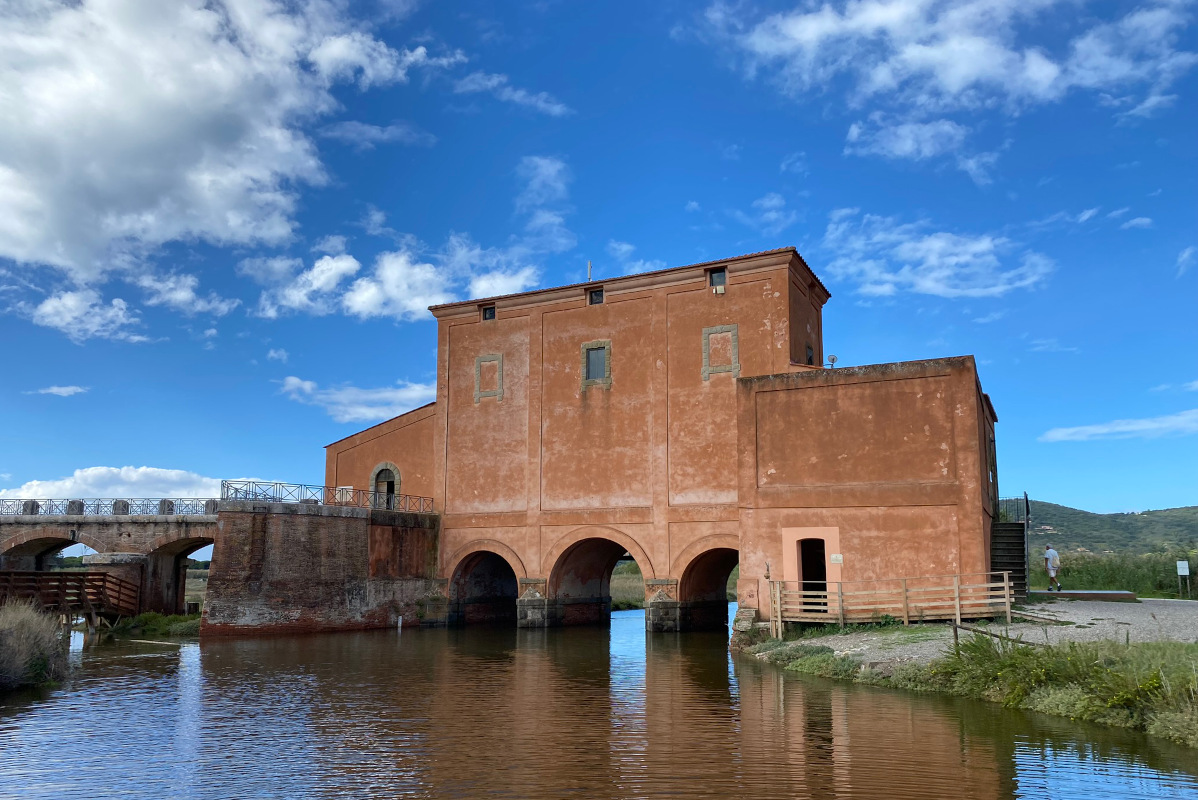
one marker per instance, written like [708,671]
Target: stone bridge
[148,549]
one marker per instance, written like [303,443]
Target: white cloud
[60,391]
[272,269]
[993,316]
[961,55]
[178,291]
[500,87]
[353,404]
[731,152]
[1087,215]
[1180,424]
[1138,222]
[794,163]
[277,354]
[547,182]
[364,136]
[401,287]
[332,245]
[911,140]
[883,256]
[622,253]
[128,124]
[691,206]
[1118,212]
[1184,259]
[1049,346]
[311,291]
[1192,386]
[120,482]
[495,284]
[82,315]
[769,216]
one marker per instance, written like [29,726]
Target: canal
[574,712]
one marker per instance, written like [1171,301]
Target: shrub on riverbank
[1149,686]
[1146,574]
[33,649]
[154,624]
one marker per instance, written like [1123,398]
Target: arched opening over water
[483,590]
[704,588]
[46,553]
[166,582]
[580,580]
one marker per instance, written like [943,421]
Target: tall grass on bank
[1147,574]
[1148,686]
[33,649]
[152,623]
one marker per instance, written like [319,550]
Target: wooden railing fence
[95,594]
[918,599]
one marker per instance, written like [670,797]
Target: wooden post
[956,641]
[840,602]
[1006,594]
[906,612]
[957,596]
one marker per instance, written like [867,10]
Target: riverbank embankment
[1131,665]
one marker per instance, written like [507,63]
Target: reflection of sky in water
[1077,773]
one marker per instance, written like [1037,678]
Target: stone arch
[704,568]
[579,576]
[165,584]
[379,467]
[26,550]
[483,585]
[492,545]
[565,542]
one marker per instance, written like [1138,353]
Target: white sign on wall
[837,558]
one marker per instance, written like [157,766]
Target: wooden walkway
[96,595]
[919,599]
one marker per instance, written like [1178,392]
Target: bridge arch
[581,568]
[28,550]
[484,584]
[166,570]
[705,567]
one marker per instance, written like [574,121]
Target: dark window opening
[488,312]
[717,277]
[596,297]
[810,356]
[384,487]
[596,363]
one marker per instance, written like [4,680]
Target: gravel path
[1146,621]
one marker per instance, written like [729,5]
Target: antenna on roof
[588,270]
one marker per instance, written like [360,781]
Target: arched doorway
[580,581]
[483,590]
[703,590]
[385,484]
[166,580]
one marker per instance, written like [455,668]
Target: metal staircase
[1008,541]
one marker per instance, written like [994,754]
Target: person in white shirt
[1052,564]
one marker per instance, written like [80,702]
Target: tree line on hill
[1142,532]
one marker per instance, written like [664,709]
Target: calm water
[585,713]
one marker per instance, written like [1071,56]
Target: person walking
[1052,565]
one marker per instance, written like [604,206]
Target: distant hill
[1072,528]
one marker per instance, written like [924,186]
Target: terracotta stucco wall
[890,457]
[406,441]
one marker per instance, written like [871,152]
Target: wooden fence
[935,597]
[95,594]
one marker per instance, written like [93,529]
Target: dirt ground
[1077,621]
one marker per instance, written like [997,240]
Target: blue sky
[221,223]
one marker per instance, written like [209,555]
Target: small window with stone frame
[596,363]
[488,313]
[717,277]
[595,297]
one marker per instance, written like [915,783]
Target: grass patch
[1146,574]
[154,624]
[33,649]
[803,630]
[1147,686]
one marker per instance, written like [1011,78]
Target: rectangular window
[488,312]
[596,297]
[596,363]
[810,356]
[717,277]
